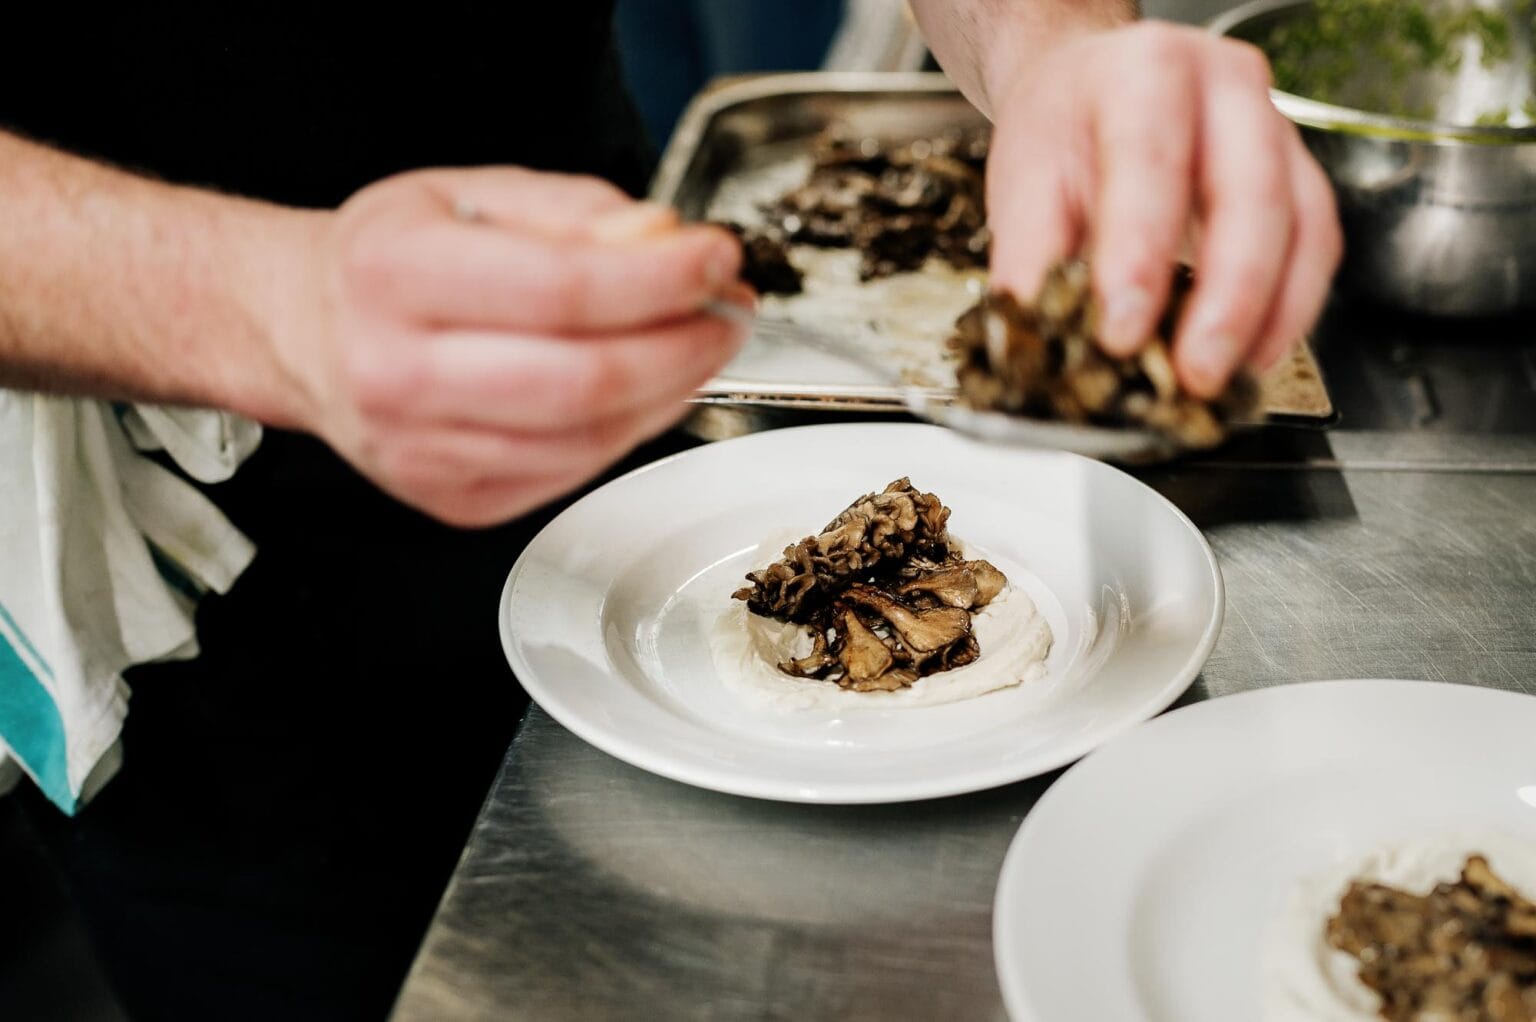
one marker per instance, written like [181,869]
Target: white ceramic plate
[1142,884]
[604,618]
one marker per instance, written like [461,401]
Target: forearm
[116,286]
[983,44]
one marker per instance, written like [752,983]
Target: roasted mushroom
[1044,360]
[1464,952]
[953,587]
[815,663]
[921,631]
[885,598]
[864,657]
[989,582]
[765,260]
[875,530]
[897,203]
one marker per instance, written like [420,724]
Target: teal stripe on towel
[31,726]
[26,643]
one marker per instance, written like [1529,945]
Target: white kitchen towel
[103,555]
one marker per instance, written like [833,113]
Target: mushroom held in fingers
[1044,361]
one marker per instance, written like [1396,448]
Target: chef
[406,244]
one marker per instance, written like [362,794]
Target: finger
[1034,207]
[465,275]
[548,384]
[453,456]
[457,457]
[1145,168]
[633,222]
[493,503]
[1247,220]
[740,294]
[558,384]
[482,477]
[1316,247]
[554,205]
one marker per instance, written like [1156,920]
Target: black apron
[292,801]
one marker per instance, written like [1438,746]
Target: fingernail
[740,294]
[466,211]
[1126,315]
[738,329]
[720,266]
[633,222]
[739,334]
[1207,363]
[1273,356]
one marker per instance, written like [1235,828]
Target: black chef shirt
[307,109]
[291,801]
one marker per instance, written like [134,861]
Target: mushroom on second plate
[1465,950]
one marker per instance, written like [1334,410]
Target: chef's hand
[480,341]
[1131,143]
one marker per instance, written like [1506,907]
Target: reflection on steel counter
[590,889]
[1398,372]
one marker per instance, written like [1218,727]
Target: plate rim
[640,756]
[1004,937]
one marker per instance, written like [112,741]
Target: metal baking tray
[744,142]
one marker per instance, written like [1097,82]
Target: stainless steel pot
[1438,216]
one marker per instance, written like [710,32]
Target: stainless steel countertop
[592,890]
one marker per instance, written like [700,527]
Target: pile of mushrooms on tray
[896,203]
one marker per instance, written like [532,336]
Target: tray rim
[722,94]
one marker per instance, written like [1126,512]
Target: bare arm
[114,285]
[981,43]
[473,366]
[1137,142]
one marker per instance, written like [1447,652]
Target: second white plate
[605,617]
[1152,880]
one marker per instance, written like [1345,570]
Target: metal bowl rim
[1314,113]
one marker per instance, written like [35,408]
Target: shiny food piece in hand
[1044,361]
[1464,952]
[765,261]
[885,598]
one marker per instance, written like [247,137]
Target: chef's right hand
[479,342]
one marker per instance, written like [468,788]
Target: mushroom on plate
[885,596]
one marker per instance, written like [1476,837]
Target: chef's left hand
[1132,142]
